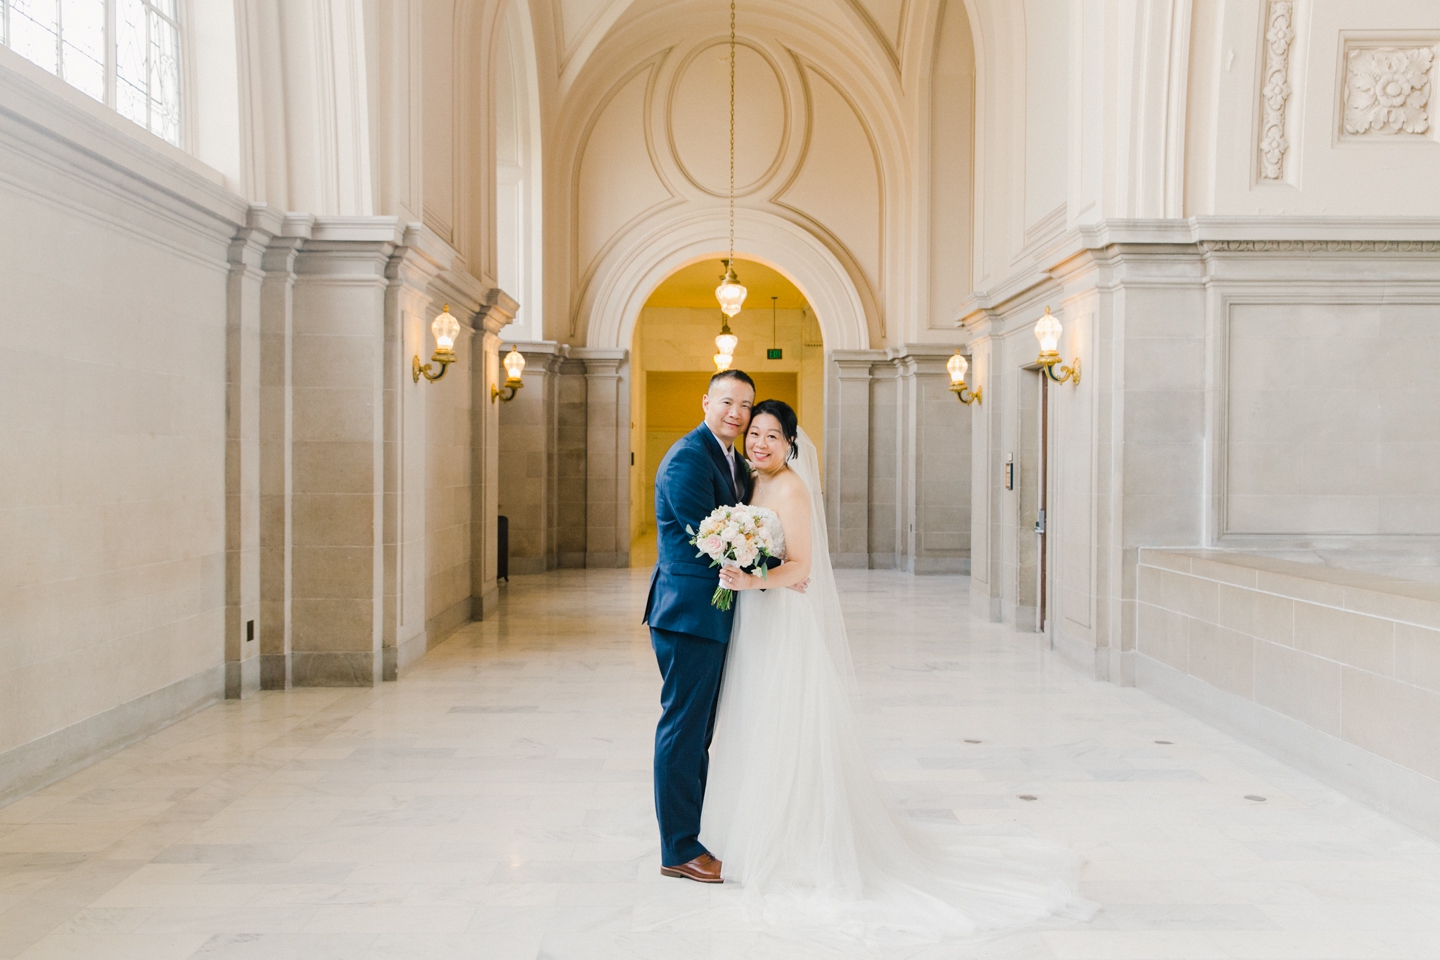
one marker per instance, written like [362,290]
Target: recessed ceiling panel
[700,119]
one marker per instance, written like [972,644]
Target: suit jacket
[693,479]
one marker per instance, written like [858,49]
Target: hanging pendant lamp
[731,293]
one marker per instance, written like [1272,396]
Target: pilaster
[934,435]
[847,456]
[607,456]
[242,455]
[277,312]
[338,453]
[496,310]
[529,464]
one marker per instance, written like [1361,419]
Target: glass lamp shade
[446,328]
[514,364]
[727,342]
[1047,331]
[957,365]
[722,361]
[730,293]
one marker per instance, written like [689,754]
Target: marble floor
[495,804]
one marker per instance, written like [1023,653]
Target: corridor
[495,803]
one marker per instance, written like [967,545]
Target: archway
[781,347]
[662,244]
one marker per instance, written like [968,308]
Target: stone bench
[1335,671]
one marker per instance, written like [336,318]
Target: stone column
[242,453]
[847,456]
[935,486]
[338,452]
[529,457]
[607,457]
[888,468]
[570,484]
[276,417]
[496,310]
[407,335]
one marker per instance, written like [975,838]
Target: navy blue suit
[688,634]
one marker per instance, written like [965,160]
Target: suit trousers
[690,668]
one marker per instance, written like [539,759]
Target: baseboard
[1122,667]
[335,669]
[525,566]
[275,671]
[850,561]
[437,628]
[1079,655]
[242,678]
[39,763]
[1409,797]
[484,605]
[938,566]
[883,561]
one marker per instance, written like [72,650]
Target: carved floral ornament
[1387,90]
[1279,32]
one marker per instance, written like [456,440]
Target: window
[124,53]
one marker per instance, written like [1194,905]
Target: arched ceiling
[872,30]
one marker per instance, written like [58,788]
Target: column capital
[923,359]
[855,364]
[601,361]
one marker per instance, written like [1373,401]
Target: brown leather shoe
[703,869]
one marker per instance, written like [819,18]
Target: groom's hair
[740,375]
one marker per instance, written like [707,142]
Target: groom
[702,471]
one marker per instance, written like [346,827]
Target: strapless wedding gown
[794,812]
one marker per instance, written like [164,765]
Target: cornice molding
[49,122]
[1197,238]
[1320,246]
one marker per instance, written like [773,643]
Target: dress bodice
[773,527]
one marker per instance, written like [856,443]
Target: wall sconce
[446,328]
[957,365]
[514,368]
[1047,331]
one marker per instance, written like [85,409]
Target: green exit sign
[774,354]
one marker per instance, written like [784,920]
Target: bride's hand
[734,579]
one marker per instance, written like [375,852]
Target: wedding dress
[795,813]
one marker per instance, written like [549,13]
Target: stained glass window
[125,53]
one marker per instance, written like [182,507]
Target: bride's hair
[789,424]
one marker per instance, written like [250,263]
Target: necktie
[736,473]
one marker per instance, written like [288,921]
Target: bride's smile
[766,445]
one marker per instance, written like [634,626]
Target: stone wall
[217,472]
[1237,391]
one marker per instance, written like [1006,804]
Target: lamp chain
[732,132]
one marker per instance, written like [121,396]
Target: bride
[791,807]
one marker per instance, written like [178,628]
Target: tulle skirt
[794,811]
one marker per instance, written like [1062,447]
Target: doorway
[671,361]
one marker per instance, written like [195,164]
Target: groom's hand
[799,587]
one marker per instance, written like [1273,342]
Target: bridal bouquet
[737,536]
